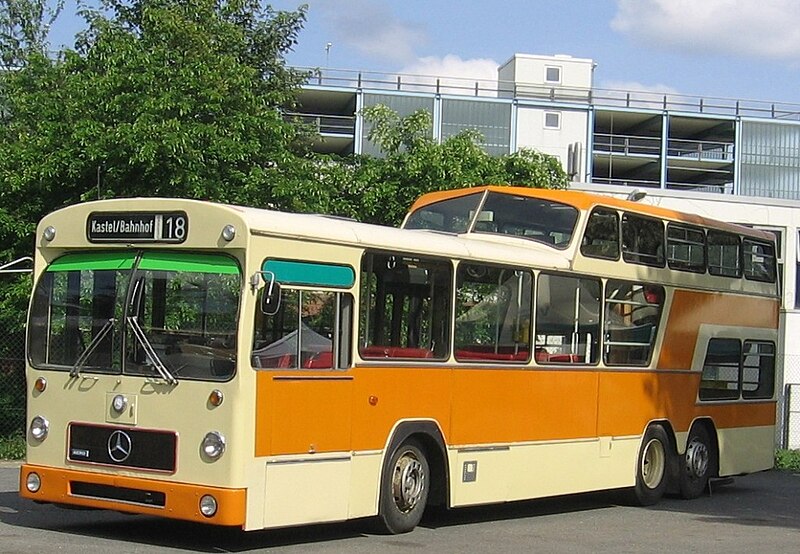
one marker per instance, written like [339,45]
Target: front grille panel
[124,447]
[118,494]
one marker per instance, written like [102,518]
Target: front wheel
[696,464]
[651,467]
[404,488]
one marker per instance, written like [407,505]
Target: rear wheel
[651,467]
[404,488]
[696,464]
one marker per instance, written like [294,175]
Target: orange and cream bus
[260,369]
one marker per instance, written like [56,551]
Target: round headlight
[39,428]
[213,445]
[33,482]
[119,403]
[229,232]
[208,505]
[49,233]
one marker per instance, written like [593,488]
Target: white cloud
[453,66]
[453,74]
[761,29]
[634,86]
[632,93]
[372,28]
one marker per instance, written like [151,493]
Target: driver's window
[309,330]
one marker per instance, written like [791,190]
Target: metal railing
[353,79]
[326,124]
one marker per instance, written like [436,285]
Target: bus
[258,369]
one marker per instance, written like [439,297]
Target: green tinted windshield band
[309,273]
[193,263]
[93,261]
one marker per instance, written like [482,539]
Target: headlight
[213,445]
[119,403]
[208,505]
[33,482]
[39,428]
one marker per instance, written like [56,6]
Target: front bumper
[133,495]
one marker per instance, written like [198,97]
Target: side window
[493,313]
[405,307]
[724,254]
[632,315]
[642,240]
[758,369]
[720,379]
[567,320]
[686,248]
[601,238]
[309,330]
[759,260]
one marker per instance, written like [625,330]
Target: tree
[159,97]
[24,25]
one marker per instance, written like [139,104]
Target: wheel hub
[696,459]
[408,482]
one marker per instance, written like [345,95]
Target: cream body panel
[541,469]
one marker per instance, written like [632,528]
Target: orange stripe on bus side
[481,406]
[690,309]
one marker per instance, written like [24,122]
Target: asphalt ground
[756,514]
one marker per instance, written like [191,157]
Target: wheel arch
[429,434]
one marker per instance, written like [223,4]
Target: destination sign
[137,227]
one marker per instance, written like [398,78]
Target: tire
[404,488]
[651,467]
[696,465]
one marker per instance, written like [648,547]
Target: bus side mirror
[271,295]
[271,298]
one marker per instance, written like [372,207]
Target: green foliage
[159,98]
[23,29]
[12,447]
[787,459]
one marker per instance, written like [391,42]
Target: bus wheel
[404,488]
[696,464]
[651,467]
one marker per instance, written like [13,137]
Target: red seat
[395,352]
[322,360]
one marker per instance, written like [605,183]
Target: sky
[739,49]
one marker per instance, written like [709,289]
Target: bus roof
[586,201]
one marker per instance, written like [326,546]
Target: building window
[552,120]
[552,74]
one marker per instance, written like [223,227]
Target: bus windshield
[538,219]
[156,314]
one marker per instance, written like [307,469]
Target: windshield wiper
[96,340]
[138,332]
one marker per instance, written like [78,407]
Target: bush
[12,447]
[787,459]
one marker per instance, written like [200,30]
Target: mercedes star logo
[119,446]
